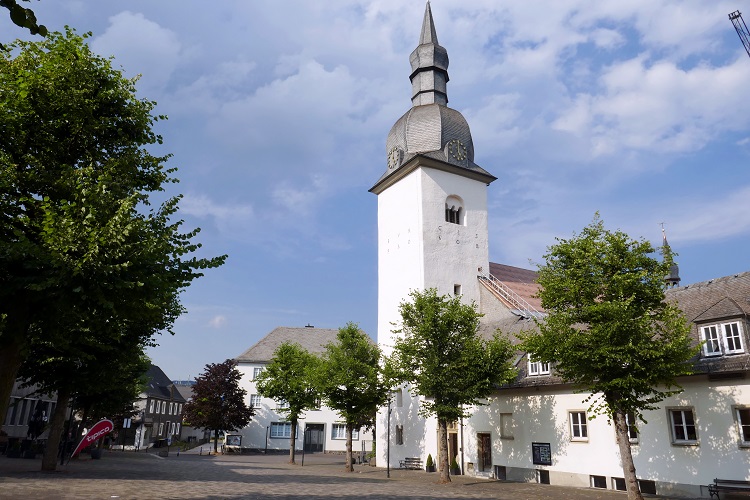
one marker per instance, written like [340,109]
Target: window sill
[579,440]
[685,443]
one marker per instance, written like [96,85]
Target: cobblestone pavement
[129,475]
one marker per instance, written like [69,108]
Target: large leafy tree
[609,329]
[442,357]
[218,400]
[85,261]
[290,377]
[351,382]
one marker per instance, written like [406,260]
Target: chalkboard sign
[541,453]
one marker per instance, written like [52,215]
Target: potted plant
[430,465]
[455,470]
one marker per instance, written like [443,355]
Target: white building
[433,233]
[321,429]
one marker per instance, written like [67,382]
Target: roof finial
[429,66]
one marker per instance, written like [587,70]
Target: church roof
[521,281]
[430,129]
[313,340]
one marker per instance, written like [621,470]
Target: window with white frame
[172,429]
[151,406]
[338,431]
[178,428]
[723,338]
[282,405]
[255,400]
[163,407]
[161,428]
[743,424]
[257,371]
[538,368]
[682,422]
[281,429]
[399,434]
[578,428]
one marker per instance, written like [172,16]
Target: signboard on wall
[541,453]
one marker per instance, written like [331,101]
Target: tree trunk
[349,467]
[628,467]
[292,441]
[443,464]
[10,362]
[56,426]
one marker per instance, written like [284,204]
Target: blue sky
[279,110]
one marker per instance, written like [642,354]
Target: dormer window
[454,211]
[723,338]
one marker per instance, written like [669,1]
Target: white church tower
[432,222]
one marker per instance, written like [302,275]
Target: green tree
[351,382]
[85,260]
[218,400]
[443,358]
[609,329]
[290,378]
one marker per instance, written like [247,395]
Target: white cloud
[140,46]
[217,322]
[713,218]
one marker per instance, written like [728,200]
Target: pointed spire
[429,66]
[673,279]
[429,35]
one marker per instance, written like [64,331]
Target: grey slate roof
[702,303]
[313,340]
[714,301]
[158,386]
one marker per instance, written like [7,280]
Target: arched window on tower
[454,210]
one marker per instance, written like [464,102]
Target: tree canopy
[290,378]
[442,357]
[609,329]
[86,262]
[218,400]
[351,382]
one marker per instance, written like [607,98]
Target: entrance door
[314,437]
[484,448]
[453,447]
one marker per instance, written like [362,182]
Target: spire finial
[429,66]
[429,35]
[673,279]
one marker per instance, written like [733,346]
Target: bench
[413,463]
[728,485]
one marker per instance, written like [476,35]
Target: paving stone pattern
[129,475]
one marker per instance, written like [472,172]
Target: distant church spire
[673,279]
[429,66]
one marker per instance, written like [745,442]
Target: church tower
[432,198]
[432,220]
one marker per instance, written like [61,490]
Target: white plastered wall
[418,249]
[254,434]
[541,415]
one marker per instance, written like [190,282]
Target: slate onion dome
[430,128]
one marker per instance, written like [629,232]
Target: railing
[512,298]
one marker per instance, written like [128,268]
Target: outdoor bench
[410,463]
[728,485]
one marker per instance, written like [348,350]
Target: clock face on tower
[394,157]
[457,150]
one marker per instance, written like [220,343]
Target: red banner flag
[101,429]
